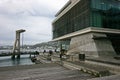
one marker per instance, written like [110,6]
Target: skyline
[35,16]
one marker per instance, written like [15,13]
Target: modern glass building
[87,13]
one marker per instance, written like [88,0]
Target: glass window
[105,13]
[89,13]
[75,19]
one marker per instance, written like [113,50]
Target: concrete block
[92,45]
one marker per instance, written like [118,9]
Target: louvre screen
[88,13]
[75,19]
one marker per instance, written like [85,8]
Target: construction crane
[16,47]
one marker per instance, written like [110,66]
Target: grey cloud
[35,16]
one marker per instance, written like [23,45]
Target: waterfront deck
[52,68]
[42,72]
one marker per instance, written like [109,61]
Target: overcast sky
[35,16]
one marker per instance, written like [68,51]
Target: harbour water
[7,61]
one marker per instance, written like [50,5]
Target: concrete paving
[42,72]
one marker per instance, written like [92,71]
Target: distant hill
[46,45]
[39,46]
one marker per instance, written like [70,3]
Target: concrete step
[89,68]
[44,59]
[111,67]
[111,61]
[113,77]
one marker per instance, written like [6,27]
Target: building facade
[90,27]
[87,13]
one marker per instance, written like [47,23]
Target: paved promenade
[42,72]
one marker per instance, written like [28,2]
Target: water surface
[7,61]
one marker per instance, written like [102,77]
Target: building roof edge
[62,9]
